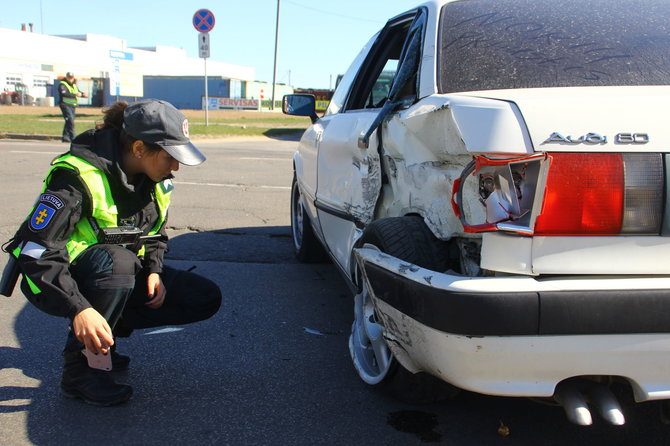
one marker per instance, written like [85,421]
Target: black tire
[408,238]
[308,248]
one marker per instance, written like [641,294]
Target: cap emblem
[184,127]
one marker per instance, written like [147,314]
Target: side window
[382,86]
[373,83]
[344,84]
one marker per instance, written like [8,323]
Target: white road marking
[266,159]
[237,186]
[189,183]
[164,331]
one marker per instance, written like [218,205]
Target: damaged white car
[491,177]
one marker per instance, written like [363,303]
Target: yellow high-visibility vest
[103,208]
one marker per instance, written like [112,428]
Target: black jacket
[47,263]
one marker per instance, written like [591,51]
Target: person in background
[76,256]
[68,93]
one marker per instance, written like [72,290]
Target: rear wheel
[308,248]
[409,239]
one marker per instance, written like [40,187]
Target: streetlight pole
[41,19]
[274,71]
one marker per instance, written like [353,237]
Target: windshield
[501,44]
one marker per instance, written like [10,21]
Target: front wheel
[308,248]
[406,238]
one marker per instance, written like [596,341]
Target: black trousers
[111,279]
[68,114]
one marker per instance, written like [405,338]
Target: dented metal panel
[529,365]
[427,147]
[349,181]
[424,154]
[365,186]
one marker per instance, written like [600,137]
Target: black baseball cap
[158,122]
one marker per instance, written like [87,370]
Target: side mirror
[300,105]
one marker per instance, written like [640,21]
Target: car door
[349,170]
[305,160]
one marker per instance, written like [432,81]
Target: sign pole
[206,96]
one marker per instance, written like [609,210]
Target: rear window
[500,44]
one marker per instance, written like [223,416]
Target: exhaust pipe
[574,404]
[607,404]
[575,397]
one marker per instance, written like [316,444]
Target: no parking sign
[203,20]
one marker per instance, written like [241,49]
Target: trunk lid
[592,119]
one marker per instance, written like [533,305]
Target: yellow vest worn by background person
[103,208]
[73,89]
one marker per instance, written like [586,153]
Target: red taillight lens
[597,194]
[584,194]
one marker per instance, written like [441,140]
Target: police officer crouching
[92,248]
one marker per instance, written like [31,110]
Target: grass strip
[52,125]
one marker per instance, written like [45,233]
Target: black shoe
[94,386]
[665,411]
[65,140]
[119,362]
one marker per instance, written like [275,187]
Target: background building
[322,97]
[31,64]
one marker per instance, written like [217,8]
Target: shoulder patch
[42,216]
[54,200]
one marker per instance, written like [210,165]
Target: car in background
[491,178]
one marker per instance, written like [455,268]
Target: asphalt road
[272,367]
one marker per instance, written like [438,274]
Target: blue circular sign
[203,20]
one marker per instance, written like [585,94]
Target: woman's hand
[93,331]
[155,291]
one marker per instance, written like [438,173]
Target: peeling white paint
[365,187]
[424,154]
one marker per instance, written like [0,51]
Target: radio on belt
[119,235]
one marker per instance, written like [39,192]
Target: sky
[318,39]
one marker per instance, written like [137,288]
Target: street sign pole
[203,21]
[203,45]
[274,69]
[206,96]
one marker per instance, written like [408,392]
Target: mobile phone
[98,360]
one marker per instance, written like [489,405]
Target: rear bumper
[523,335]
[517,306]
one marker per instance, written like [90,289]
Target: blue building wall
[182,92]
[185,92]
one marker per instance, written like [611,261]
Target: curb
[26,136]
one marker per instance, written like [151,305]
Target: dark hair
[113,119]
[113,116]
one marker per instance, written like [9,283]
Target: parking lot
[272,367]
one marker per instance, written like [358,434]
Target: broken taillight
[507,190]
[602,194]
[565,194]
